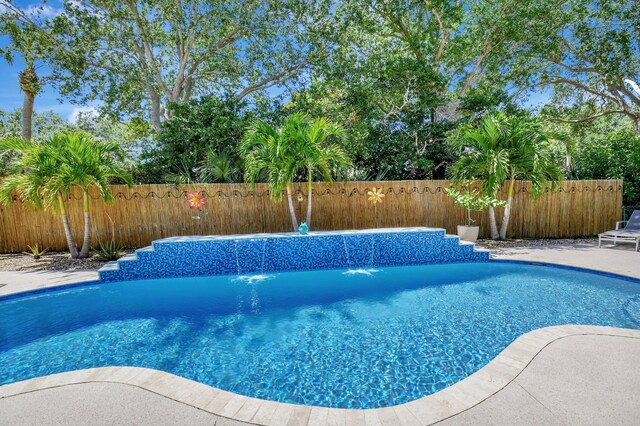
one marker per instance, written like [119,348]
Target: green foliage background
[177,91]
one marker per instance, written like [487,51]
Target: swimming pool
[356,338]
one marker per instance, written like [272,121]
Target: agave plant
[35,252]
[108,251]
[48,172]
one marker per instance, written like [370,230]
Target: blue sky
[10,94]
[49,98]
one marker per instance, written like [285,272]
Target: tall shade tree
[278,156]
[424,48]
[502,150]
[585,50]
[404,72]
[149,54]
[49,171]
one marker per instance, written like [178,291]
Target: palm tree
[48,172]
[311,151]
[504,149]
[264,160]
[219,167]
[31,85]
[279,155]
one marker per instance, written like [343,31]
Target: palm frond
[505,148]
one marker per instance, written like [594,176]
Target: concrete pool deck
[557,375]
[618,259]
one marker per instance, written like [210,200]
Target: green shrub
[616,156]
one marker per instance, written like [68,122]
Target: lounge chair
[630,233]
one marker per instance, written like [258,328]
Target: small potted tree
[471,200]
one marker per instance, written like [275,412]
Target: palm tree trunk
[27,115]
[30,85]
[292,210]
[86,242]
[309,202]
[507,211]
[492,222]
[67,229]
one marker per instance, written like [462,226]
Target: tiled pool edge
[459,397]
[176,257]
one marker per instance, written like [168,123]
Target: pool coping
[453,400]
[433,408]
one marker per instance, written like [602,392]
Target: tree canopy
[179,81]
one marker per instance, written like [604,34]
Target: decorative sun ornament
[375,195]
[196,200]
[300,198]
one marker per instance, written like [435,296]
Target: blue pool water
[337,338]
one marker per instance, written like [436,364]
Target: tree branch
[144,38]
[633,84]
[444,35]
[582,86]
[590,118]
[270,81]
[573,69]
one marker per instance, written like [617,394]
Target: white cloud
[85,111]
[42,11]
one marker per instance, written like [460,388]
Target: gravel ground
[502,247]
[60,261]
[50,261]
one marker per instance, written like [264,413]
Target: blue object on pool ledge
[303,228]
[351,338]
[264,253]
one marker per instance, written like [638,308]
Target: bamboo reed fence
[149,212]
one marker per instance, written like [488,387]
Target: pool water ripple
[321,338]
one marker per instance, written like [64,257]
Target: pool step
[264,253]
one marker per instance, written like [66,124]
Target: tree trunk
[507,211]
[309,196]
[568,166]
[494,226]
[27,115]
[30,85]
[86,242]
[292,210]
[156,108]
[67,229]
